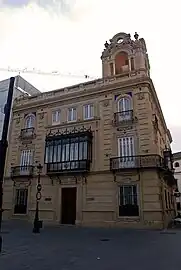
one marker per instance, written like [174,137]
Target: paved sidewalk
[70,248]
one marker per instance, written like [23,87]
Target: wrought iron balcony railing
[20,171]
[68,166]
[122,117]
[134,162]
[27,133]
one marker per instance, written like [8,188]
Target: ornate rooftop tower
[124,55]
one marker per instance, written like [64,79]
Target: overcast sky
[69,36]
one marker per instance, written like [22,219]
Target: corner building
[104,146]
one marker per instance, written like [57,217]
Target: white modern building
[21,87]
[177,174]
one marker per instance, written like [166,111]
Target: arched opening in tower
[121,63]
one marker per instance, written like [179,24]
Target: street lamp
[37,226]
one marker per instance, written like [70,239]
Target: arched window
[121,63]
[125,108]
[29,121]
[124,104]
[176,164]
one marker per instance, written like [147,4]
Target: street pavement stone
[71,248]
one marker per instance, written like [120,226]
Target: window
[56,117]
[128,202]
[68,152]
[26,158]
[21,198]
[29,122]
[125,108]
[72,114]
[26,161]
[126,152]
[88,111]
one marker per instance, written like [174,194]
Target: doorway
[68,206]
[21,199]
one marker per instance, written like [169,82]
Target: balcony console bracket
[17,182]
[79,178]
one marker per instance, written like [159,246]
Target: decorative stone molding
[106,103]
[41,115]
[141,96]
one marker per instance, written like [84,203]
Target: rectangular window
[21,199]
[72,114]
[88,111]
[128,201]
[56,117]
[126,152]
[68,150]
[26,158]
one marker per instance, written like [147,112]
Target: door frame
[132,162]
[60,204]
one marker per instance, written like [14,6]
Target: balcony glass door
[124,109]
[25,161]
[126,152]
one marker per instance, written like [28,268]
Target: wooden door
[68,207]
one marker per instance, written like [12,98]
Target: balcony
[22,171]
[27,133]
[73,166]
[124,69]
[123,117]
[136,162]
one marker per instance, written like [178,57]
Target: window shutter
[56,116]
[91,110]
[126,146]
[85,111]
[74,114]
[88,111]
[26,158]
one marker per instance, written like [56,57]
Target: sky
[69,35]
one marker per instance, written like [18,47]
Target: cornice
[95,92]
[156,100]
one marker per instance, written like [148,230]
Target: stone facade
[177,173]
[124,180]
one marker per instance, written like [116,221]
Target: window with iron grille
[21,199]
[128,201]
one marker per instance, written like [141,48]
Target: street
[70,248]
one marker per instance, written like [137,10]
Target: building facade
[177,174]
[104,146]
